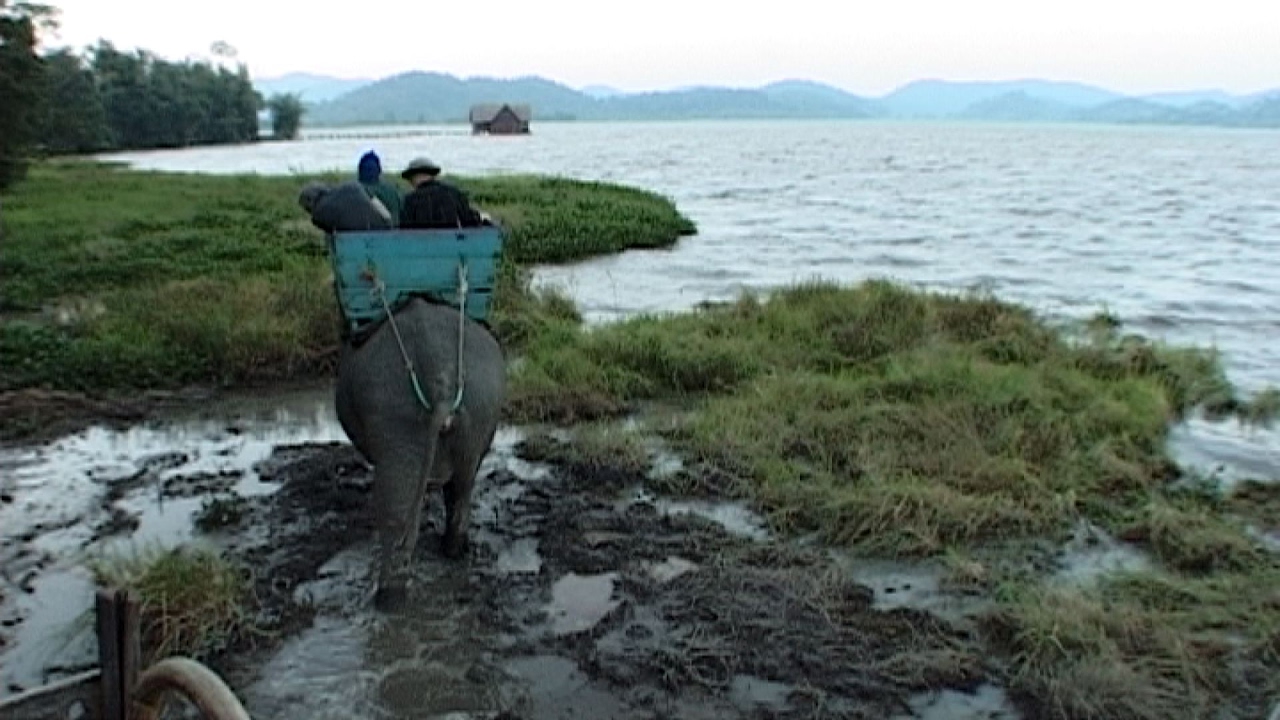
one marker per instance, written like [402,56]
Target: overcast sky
[867,47]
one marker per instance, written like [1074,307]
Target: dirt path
[583,597]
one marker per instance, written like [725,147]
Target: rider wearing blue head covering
[369,173]
[370,168]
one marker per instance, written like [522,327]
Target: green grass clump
[520,313]
[220,512]
[83,229]
[594,447]
[1146,646]
[221,330]
[112,279]
[1195,539]
[192,600]
[558,220]
[890,420]
[1256,502]
[569,375]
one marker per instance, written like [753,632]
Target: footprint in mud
[579,602]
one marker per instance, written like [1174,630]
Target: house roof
[486,112]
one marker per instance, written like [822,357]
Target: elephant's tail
[438,422]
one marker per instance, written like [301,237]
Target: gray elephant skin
[415,449]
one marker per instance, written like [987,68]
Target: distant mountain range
[423,97]
[311,88]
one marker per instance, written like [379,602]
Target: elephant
[415,443]
[414,449]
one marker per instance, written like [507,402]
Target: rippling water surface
[1176,230]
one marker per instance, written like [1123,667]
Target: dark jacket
[342,208]
[437,205]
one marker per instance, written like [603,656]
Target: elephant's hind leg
[457,505]
[398,482]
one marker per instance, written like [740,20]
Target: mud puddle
[1092,554]
[581,598]
[122,490]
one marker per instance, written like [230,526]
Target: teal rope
[417,390]
[380,289]
[462,320]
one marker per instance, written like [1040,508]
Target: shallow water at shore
[124,491]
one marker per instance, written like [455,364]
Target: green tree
[107,99]
[150,102]
[248,103]
[122,80]
[286,115]
[21,84]
[74,120]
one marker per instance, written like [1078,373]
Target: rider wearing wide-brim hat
[420,165]
[434,204]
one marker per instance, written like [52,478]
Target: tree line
[104,99]
[112,100]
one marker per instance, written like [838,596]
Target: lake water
[1176,230]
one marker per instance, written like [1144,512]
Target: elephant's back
[442,323]
[434,331]
[430,333]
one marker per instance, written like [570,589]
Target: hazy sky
[867,47]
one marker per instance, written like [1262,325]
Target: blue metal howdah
[413,262]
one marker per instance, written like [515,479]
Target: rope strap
[380,289]
[462,320]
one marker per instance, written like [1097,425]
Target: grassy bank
[113,279]
[192,601]
[891,420]
[914,425]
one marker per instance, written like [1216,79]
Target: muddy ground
[35,415]
[583,597]
[586,593]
